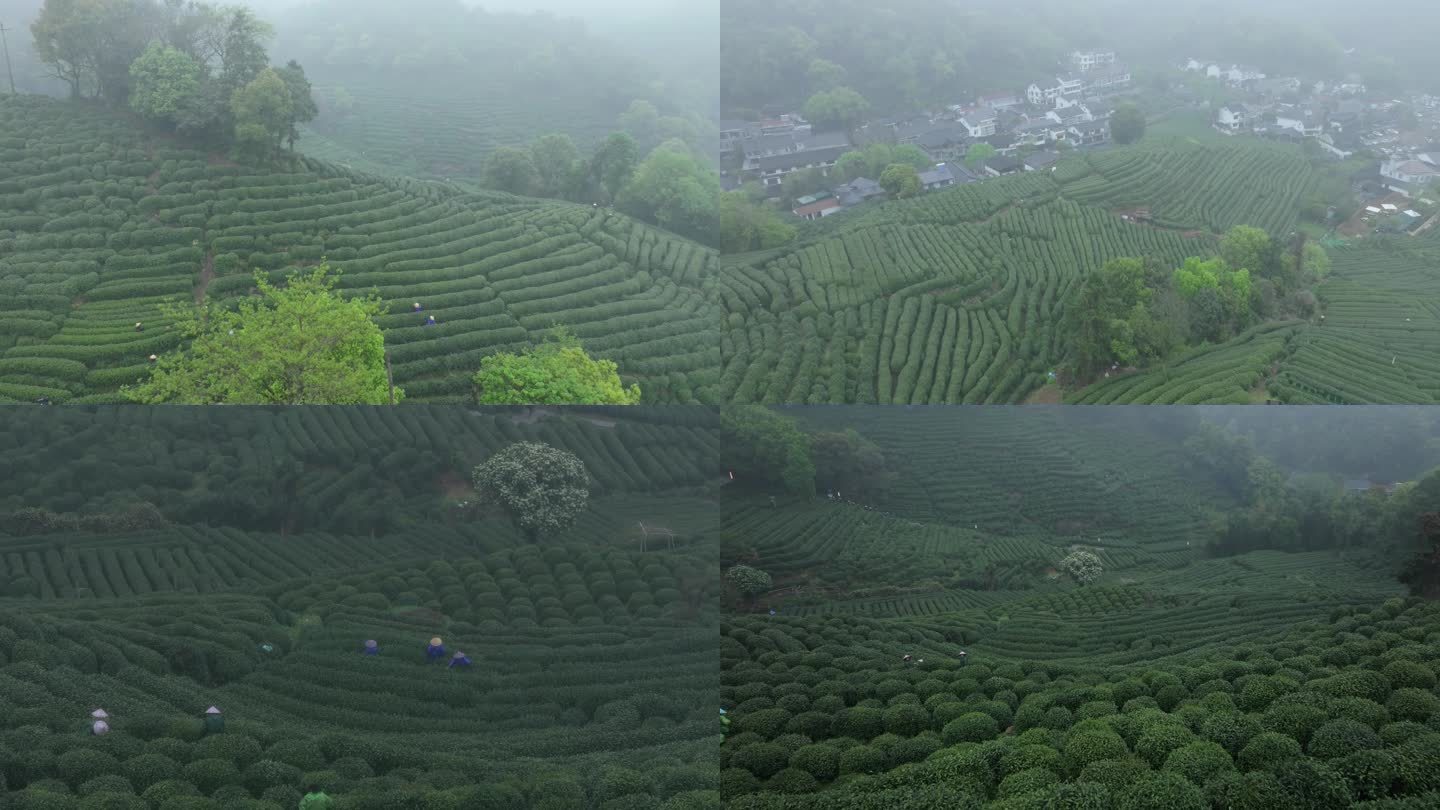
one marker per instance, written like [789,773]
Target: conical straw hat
[212,710]
[99,713]
[370,643]
[435,642]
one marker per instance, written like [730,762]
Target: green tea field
[926,647]
[592,679]
[100,224]
[958,296]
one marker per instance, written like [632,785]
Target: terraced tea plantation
[930,661]
[98,226]
[955,297]
[592,682]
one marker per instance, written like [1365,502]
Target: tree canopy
[767,449]
[541,488]
[1127,124]
[557,372]
[299,344]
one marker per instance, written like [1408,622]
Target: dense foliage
[297,345]
[557,372]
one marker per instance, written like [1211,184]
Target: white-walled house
[1409,176]
[1230,121]
[979,123]
[1085,61]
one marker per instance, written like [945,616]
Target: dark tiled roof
[801,159]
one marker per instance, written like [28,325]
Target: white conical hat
[212,710]
[99,713]
[435,641]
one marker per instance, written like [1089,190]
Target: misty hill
[100,223]
[959,295]
[430,88]
[593,660]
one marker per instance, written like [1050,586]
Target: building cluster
[1026,130]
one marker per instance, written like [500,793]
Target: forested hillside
[100,222]
[156,562]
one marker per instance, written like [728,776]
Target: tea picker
[435,651]
[460,659]
[99,726]
[371,648]
[214,722]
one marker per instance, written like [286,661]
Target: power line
[8,69]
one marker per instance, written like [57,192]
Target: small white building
[1230,121]
[979,123]
[1085,61]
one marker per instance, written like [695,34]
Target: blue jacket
[464,662]
[434,652]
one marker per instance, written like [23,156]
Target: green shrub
[1369,774]
[820,761]
[211,774]
[1199,761]
[792,780]
[1114,773]
[1026,757]
[615,782]
[762,759]
[1411,703]
[1084,748]
[1163,789]
[268,773]
[1409,674]
[1027,781]
[907,720]
[970,727]
[862,759]
[1340,737]
[768,723]
[1157,742]
[1312,785]
[84,764]
[110,783]
[147,769]
[1231,730]
[1256,790]
[1266,750]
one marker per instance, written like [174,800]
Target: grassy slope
[99,224]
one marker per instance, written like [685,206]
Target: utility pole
[8,69]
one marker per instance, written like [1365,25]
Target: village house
[1089,133]
[1044,92]
[937,177]
[1086,61]
[800,140]
[772,170]
[1237,75]
[858,191]
[999,101]
[732,133]
[1230,121]
[816,206]
[1040,161]
[1410,176]
[1001,164]
[979,123]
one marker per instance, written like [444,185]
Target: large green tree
[556,372]
[299,344]
[613,164]
[900,180]
[558,166]
[542,488]
[766,449]
[841,108]
[1127,124]
[510,169]
[264,114]
[747,225]
[675,191]
[302,100]
[1108,321]
[163,80]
